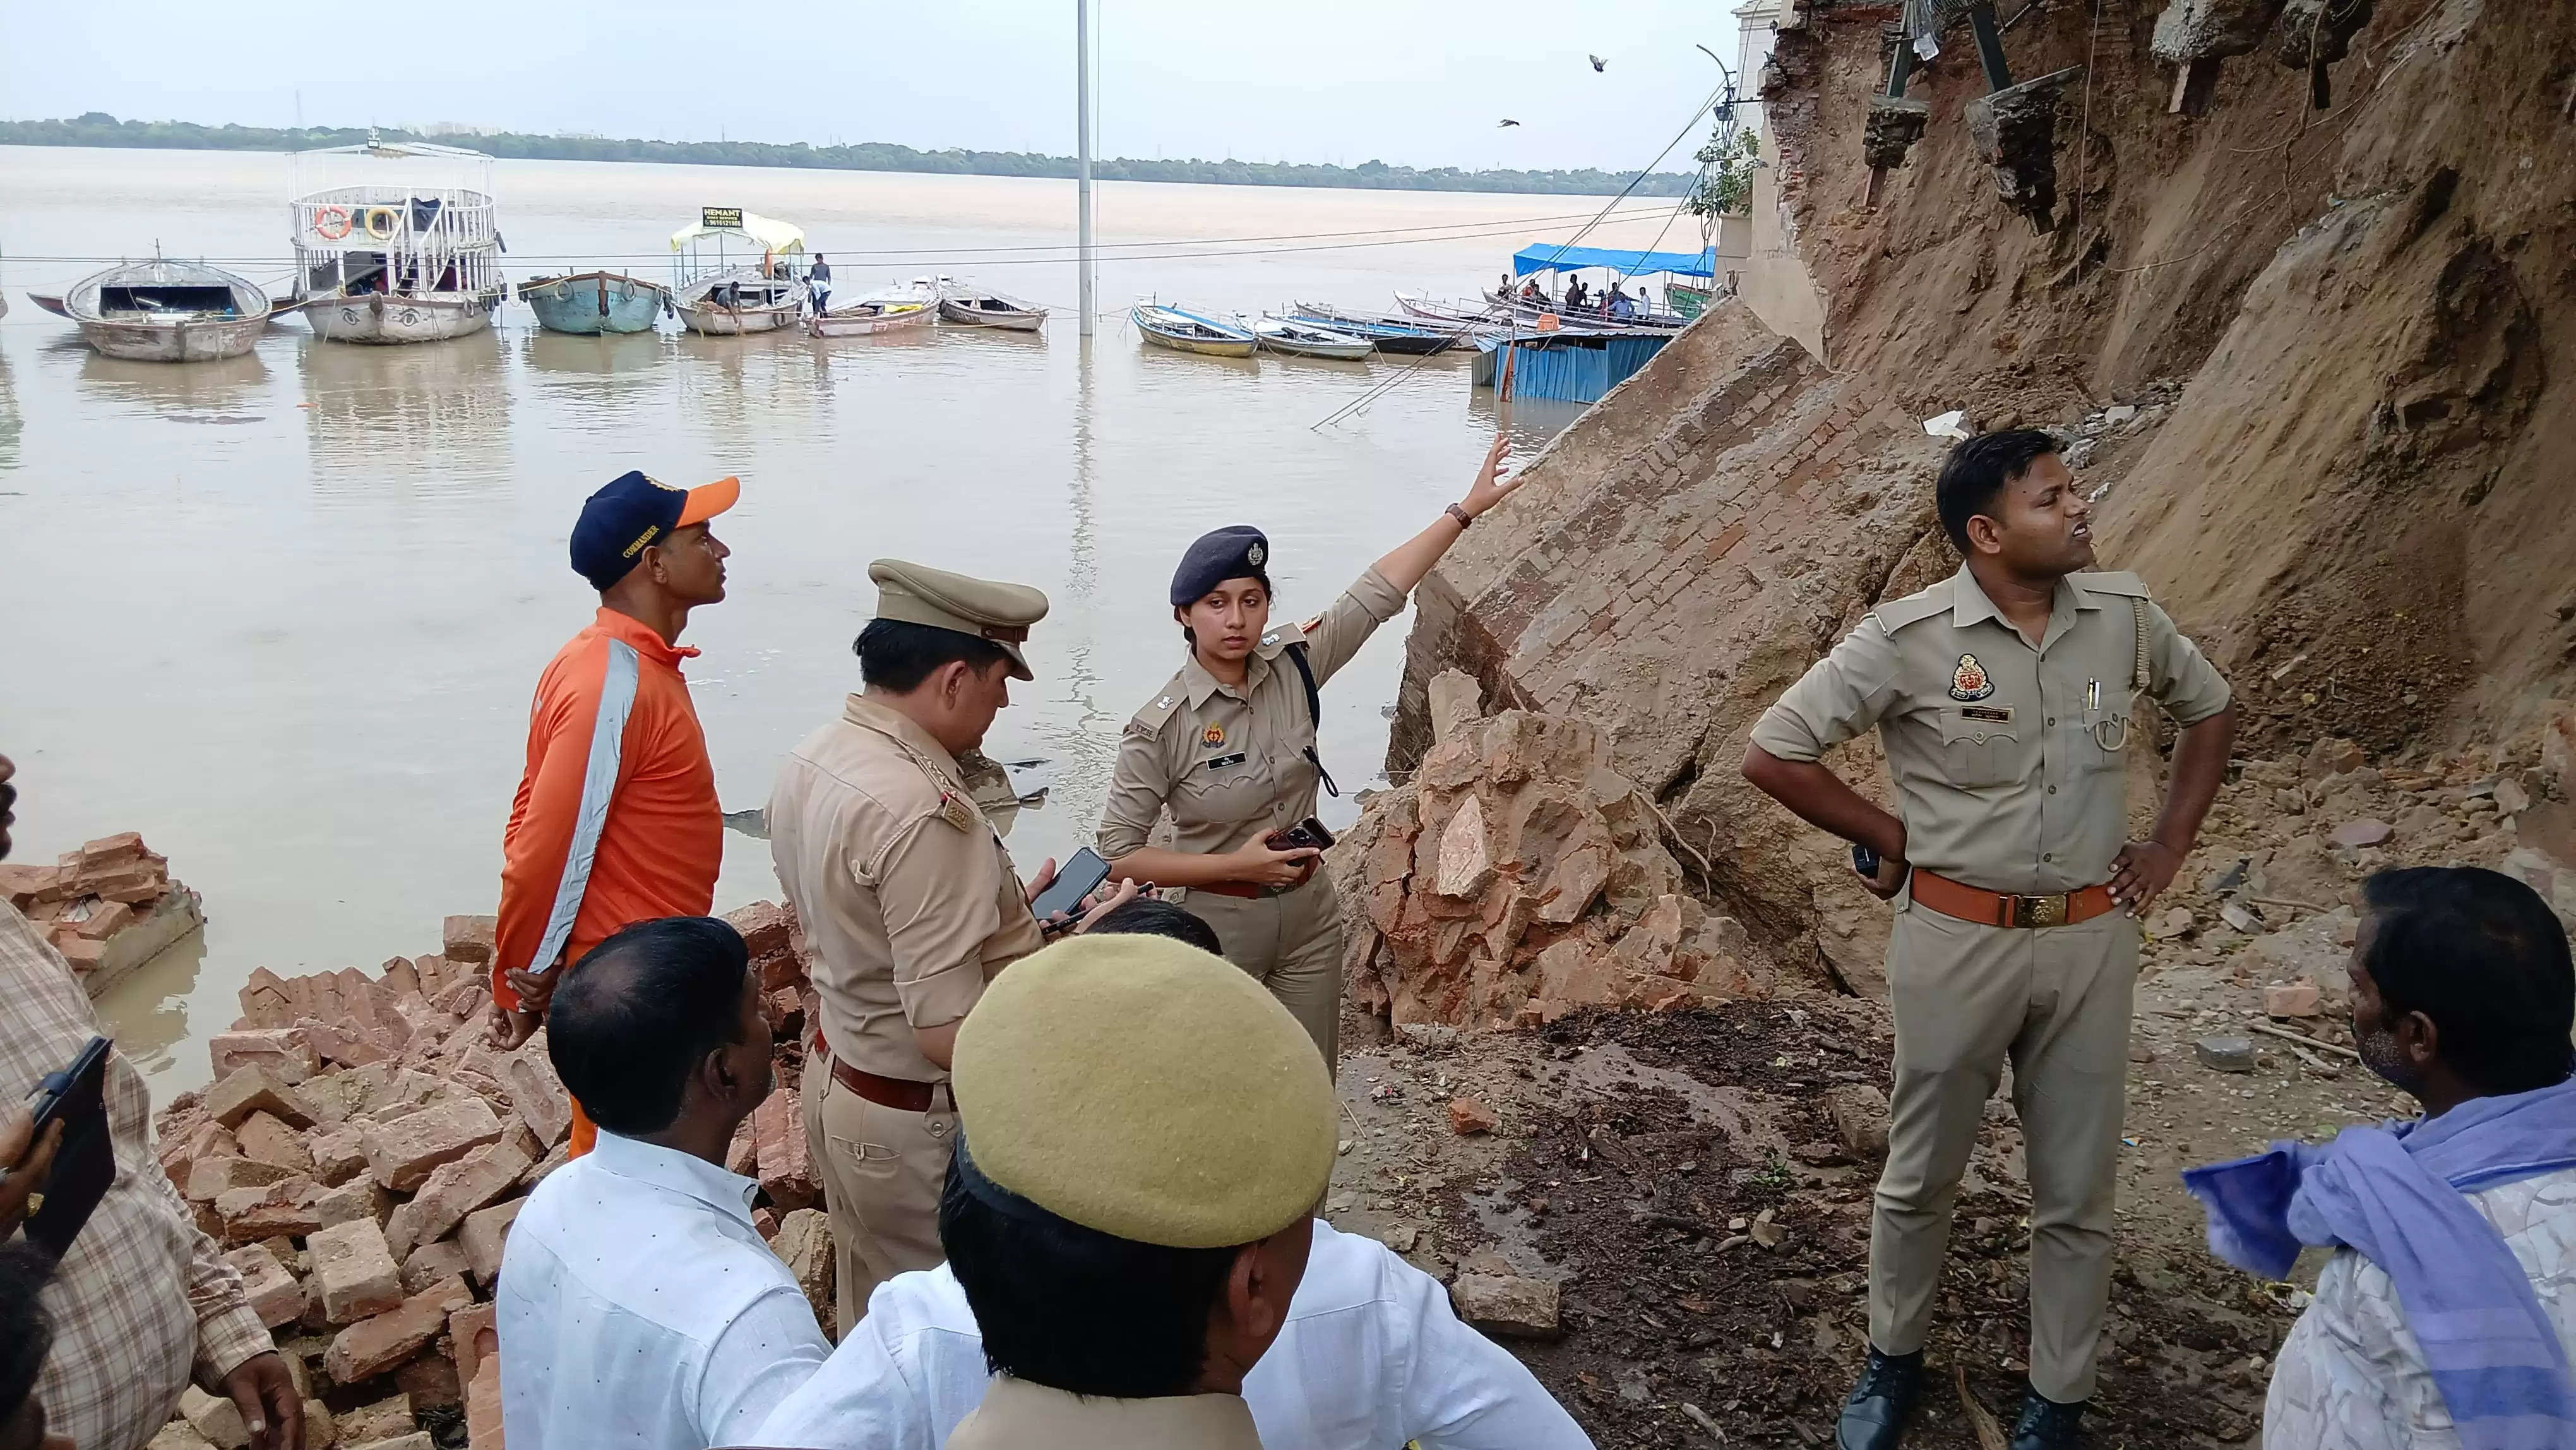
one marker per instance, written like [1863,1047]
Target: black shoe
[2045,1424]
[1875,1415]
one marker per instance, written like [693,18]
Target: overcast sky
[1410,82]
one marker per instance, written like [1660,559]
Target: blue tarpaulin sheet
[1544,256]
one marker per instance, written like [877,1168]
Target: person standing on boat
[820,281]
[1227,746]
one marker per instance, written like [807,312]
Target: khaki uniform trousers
[882,1170]
[2056,1001]
[1292,944]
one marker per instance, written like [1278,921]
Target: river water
[283,614]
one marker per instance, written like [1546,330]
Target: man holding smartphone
[909,901]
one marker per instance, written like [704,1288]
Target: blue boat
[594,302]
[1390,334]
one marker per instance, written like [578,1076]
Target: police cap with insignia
[1001,613]
[1140,1087]
[1237,551]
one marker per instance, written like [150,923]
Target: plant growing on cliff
[1726,171]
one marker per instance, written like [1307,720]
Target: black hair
[2482,956]
[638,1013]
[1261,577]
[1073,1308]
[897,655]
[1977,470]
[1150,916]
[26,1330]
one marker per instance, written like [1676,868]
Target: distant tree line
[97,128]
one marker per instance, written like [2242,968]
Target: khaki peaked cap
[1140,1087]
[1001,613]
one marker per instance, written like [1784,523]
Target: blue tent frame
[1545,258]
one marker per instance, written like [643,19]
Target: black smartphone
[1078,878]
[1865,861]
[1308,832]
[85,1164]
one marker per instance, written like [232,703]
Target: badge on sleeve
[956,812]
[1968,681]
[1213,735]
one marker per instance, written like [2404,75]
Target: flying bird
[1507,121]
[1597,62]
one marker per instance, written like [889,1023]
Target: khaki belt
[1997,908]
[901,1094]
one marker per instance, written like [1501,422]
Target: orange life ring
[331,221]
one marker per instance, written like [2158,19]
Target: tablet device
[85,1164]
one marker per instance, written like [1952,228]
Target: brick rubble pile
[363,1152]
[107,907]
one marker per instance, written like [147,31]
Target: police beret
[919,594]
[1237,551]
[1140,1087]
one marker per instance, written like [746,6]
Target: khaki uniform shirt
[1230,763]
[905,892]
[1017,1415]
[2009,761]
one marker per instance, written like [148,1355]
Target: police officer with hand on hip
[2009,698]
[1228,747]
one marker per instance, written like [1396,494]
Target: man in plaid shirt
[144,1299]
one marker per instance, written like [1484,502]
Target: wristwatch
[1464,518]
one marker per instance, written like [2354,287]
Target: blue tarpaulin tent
[1544,256]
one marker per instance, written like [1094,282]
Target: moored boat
[587,303]
[735,272]
[1479,313]
[975,307]
[402,258]
[50,301]
[1390,334]
[167,311]
[873,315]
[1306,339]
[1186,331]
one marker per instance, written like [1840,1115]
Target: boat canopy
[1545,257]
[768,233]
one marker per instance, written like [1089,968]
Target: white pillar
[1082,186]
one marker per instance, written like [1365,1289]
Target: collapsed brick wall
[364,1151]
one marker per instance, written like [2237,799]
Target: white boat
[1305,339]
[890,309]
[405,256]
[735,272]
[1182,330]
[975,307]
[167,311]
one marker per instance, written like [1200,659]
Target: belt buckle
[2039,911]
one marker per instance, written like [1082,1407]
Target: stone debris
[2226,1054]
[2014,130]
[1468,1116]
[1518,877]
[1895,124]
[363,1152]
[2354,835]
[1859,1114]
[108,907]
[1507,1306]
[2292,999]
[2193,30]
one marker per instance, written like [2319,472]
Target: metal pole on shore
[1082,100]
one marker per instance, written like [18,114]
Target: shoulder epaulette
[1277,638]
[2110,581]
[1914,608]
[1161,708]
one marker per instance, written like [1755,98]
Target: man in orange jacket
[616,819]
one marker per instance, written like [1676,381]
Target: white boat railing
[397,240]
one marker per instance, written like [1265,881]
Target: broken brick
[404,1152]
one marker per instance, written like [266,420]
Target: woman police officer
[1228,747]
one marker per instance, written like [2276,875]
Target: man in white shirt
[637,1305]
[1371,1358]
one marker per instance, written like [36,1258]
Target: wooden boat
[1307,339]
[975,307]
[167,311]
[1456,314]
[1686,300]
[1391,334]
[875,314]
[398,260]
[735,273]
[52,303]
[1185,331]
[588,303]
